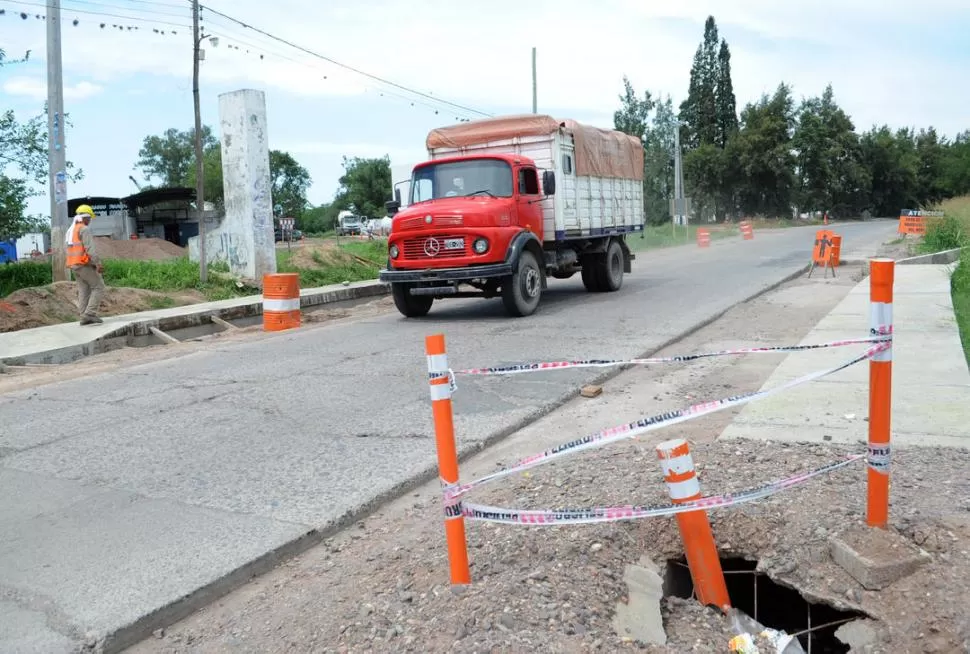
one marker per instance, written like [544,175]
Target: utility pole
[535,97]
[199,171]
[680,205]
[56,155]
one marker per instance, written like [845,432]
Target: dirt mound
[57,303]
[143,249]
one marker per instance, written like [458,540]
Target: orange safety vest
[76,254]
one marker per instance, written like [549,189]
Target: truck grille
[414,248]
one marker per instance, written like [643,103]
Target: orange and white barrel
[747,230]
[281,301]
[703,237]
[695,529]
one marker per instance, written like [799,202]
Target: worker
[83,260]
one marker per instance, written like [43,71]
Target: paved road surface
[135,488]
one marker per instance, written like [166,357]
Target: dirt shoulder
[382,585]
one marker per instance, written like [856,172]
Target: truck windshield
[478,177]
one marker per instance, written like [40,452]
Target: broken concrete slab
[876,557]
[639,618]
[859,635]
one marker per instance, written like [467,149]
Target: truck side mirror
[397,197]
[392,207]
[549,182]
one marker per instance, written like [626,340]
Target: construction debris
[591,390]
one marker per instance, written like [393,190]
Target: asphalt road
[124,492]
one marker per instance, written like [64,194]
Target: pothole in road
[773,605]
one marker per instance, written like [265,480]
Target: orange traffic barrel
[281,301]
[703,237]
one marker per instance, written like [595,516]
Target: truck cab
[482,219]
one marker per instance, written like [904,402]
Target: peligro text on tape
[880,457]
[644,425]
[545,517]
[520,368]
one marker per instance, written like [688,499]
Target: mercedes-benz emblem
[432,247]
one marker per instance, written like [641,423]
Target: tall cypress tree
[727,114]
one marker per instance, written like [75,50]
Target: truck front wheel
[412,306]
[521,292]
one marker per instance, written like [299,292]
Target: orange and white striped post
[703,237]
[439,381]
[281,301]
[881,276]
[695,529]
[747,230]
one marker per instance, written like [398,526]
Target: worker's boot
[90,320]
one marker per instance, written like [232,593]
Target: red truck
[503,203]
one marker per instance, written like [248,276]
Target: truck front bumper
[447,274]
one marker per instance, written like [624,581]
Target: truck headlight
[393,251]
[480,245]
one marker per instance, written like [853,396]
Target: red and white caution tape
[520,368]
[545,517]
[644,425]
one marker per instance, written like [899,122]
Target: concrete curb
[944,257]
[189,316]
[190,603]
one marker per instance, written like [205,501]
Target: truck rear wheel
[611,274]
[412,306]
[522,291]
[591,273]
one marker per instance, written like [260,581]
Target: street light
[199,172]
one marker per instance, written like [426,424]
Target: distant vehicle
[348,223]
[295,235]
[484,212]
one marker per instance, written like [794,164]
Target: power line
[346,66]
[96,13]
[262,48]
[121,8]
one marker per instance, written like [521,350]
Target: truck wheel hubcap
[531,282]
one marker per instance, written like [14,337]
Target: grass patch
[665,236]
[25,274]
[960,291]
[352,261]
[162,276]
[953,231]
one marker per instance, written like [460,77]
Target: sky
[379,79]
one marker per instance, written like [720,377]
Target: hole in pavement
[773,605]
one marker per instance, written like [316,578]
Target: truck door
[528,197]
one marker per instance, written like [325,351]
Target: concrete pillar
[245,238]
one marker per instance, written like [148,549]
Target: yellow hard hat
[84,209]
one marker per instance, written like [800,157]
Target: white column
[245,239]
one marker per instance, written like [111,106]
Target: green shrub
[24,274]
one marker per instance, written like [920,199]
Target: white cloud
[36,88]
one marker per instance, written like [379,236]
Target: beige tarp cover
[599,152]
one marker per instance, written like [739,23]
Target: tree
[290,183]
[761,155]
[171,157]
[727,111]
[956,165]
[366,185]
[23,148]
[830,173]
[709,117]
[633,116]
[658,161]
[893,163]
[699,111]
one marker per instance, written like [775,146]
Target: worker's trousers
[90,289]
